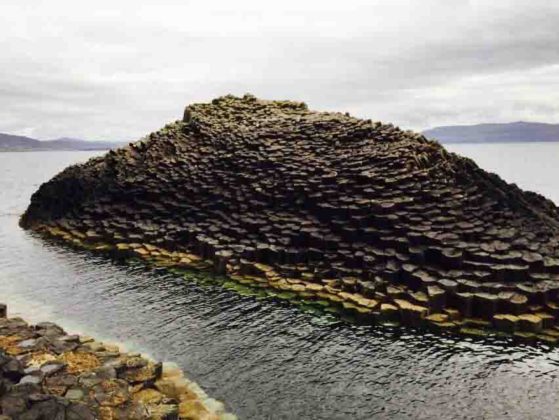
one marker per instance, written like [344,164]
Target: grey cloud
[107,73]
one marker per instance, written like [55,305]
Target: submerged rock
[321,205]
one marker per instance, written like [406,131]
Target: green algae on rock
[373,220]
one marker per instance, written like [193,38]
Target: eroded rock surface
[359,214]
[48,374]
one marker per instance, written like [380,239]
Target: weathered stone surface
[274,195]
[389,313]
[505,322]
[411,314]
[530,323]
[194,410]
[40,381]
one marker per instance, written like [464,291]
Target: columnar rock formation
[46,373]
[355,213]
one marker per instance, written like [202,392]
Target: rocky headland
[355,216]
[46,373]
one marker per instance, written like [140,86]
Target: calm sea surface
[532,166]
[268,360]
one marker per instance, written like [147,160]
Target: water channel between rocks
[266,359]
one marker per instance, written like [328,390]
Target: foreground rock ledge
[48,374]
[357,215]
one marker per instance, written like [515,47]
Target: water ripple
[267,360]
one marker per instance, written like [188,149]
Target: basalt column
[363,215]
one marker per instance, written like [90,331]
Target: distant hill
[67,143]
[10,143]
[495,133]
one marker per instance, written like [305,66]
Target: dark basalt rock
[91,380]
[307,200]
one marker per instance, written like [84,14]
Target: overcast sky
[120,69]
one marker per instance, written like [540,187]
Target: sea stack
[359,215]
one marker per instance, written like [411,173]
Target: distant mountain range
[11,143]
[480,133]
[495,133]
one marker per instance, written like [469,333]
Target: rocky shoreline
[357,217]
[539,325]
[46,373]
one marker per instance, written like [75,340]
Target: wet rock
[437,298]
[547,320]
[474,332]
[530,323]
[505,322]
[389,313]
[221,259]
[525,337]
[411,314]
[477,323]
[549,339]
[437,318]
[463,302]
[485,305]
[453,314]
[518,303]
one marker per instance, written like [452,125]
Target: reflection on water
[266,360]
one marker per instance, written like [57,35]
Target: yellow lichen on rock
[80,362]
[194,410]
[9,344]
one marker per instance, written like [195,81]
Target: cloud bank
[120,69]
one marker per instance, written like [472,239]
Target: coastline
[402,307]
[45,370]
